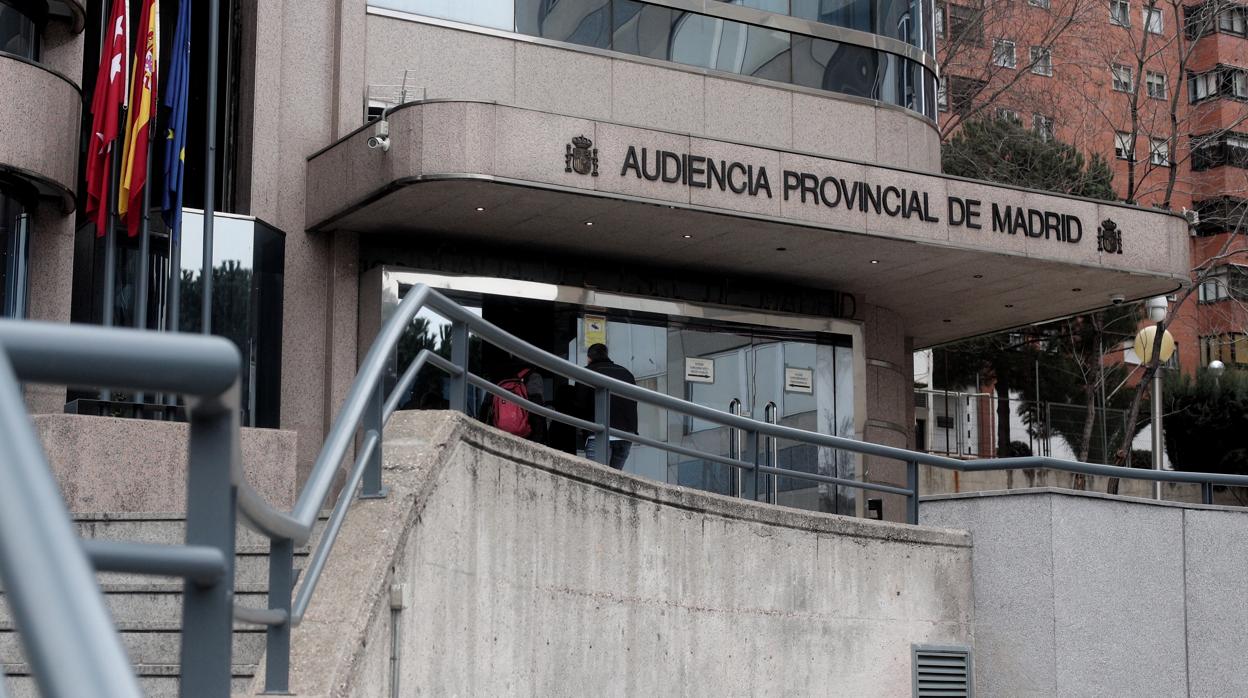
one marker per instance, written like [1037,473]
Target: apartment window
[1203,86]
[1039,3]
[1231,20]
[1218,149]
[1003,53]
[962,93]
[1010,115]
[1152,20]
[1219,215]
[1041,60]
[1122,146]
[939,20]
[1237,81]
[966,24]
[1230,348]
[1123,78]
[1120,12]
[1222,81]
[1159,152]
[1156,84]
[1230,281]
[942,96]
[1043,126]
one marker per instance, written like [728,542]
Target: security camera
[381,137]
[1117,299]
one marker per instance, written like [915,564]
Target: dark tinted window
[707,42]
[14,255]
[584,22]
[896,19]
[19,28]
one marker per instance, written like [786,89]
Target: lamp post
[1217,368]
[1144,350]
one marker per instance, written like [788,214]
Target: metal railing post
[208,611]
[459,357]
[751,447]
[277,640]
[374,415]
[602,415]
[1206,493]
[912,484]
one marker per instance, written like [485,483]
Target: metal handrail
[206,370]
[47,572]
[49,584]
[366,407]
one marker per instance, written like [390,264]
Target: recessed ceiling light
[979,276]
[589,222]
[781,249]
[480,208]
[1009,305]
[1076,290]
[687,236]
[947,320]
[875,261]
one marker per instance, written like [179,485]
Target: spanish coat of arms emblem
[581,157]
[1109,238]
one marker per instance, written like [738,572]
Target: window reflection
[698,40]
[19,30]
[14,255]
[583,22]
[483,13]
[667,34]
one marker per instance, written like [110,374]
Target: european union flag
[177,87]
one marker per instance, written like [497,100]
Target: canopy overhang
[954,258]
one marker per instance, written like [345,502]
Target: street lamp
[1217,368]
[1144,350]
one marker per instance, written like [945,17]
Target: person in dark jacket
[623,410]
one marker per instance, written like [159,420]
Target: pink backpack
[509,416]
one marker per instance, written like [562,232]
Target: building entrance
[788,370]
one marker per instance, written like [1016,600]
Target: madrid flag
[106,103]
[139,119]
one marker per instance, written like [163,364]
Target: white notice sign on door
[699,370]
[799,380]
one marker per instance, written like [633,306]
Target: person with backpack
[510,416]
[623,410]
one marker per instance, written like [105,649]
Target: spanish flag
[139,118]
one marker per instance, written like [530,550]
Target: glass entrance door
[789,380]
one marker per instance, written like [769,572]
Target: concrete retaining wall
[1079,594]
[116,466]
[530,572]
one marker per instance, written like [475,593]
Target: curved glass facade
[20,22]
[14,251]
[714,43]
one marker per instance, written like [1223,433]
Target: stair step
[149,606]
[156,647]
[169,529]
[155,681]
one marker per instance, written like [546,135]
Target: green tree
[1206,421]
[999,150]
[1068,354]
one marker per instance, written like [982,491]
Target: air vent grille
[942,672]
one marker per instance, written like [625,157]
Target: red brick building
[1078,70]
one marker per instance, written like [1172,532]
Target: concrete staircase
[148,610]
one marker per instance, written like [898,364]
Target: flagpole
[110,245]
[140,302]
[210,159]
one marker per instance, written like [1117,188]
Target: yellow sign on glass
[595,330]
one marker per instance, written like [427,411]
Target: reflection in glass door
[788,380]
